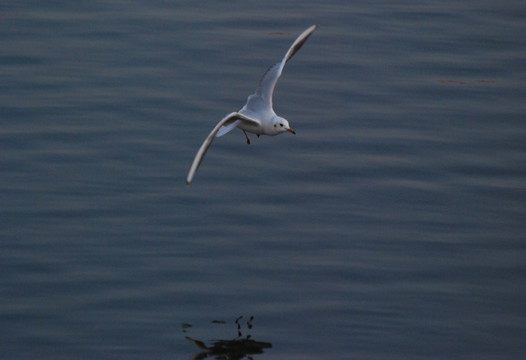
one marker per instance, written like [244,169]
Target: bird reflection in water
[241,347]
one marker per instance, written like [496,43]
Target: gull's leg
[248,139]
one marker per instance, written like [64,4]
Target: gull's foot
[248,139]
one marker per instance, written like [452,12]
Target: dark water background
[392,226]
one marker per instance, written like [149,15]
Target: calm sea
[392,226]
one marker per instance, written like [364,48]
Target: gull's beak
[292,131]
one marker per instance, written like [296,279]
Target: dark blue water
[392,226]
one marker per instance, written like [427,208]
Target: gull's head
[280,125]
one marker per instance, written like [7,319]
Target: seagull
[257,116]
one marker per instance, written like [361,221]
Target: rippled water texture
[390,227]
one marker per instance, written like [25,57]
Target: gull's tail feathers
[225,129]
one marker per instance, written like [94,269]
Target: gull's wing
[230,118]
[270,78]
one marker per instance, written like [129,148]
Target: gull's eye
[281,125]
[274,125]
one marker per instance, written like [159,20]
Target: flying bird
[257,116]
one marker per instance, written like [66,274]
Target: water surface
[391,226]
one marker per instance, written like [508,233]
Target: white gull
[257,116]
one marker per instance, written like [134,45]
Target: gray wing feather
[270,78]
[208,141]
